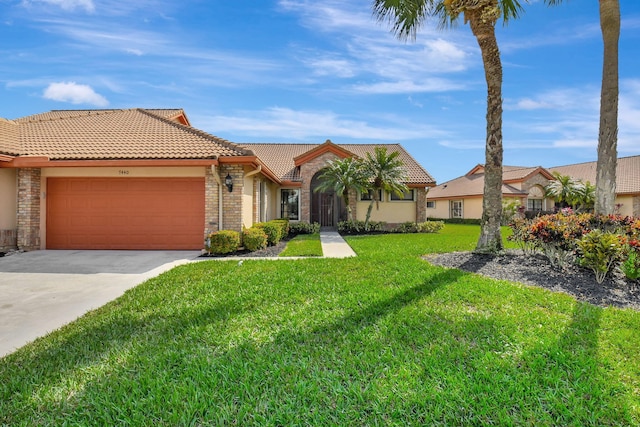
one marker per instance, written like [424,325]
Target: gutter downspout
[219,182]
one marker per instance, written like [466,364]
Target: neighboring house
[627,181]
[462,197]
[146,179]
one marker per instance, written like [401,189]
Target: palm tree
[406,17]
[585,196]
[341,176]
[563,190]
[386,173]
[609,92]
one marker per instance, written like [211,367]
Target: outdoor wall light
[228,181]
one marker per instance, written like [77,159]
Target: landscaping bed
[535,269]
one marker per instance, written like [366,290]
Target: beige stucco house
[627,181]
[462,197]
[146,179]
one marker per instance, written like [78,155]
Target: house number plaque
[123,172]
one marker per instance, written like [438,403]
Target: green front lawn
[380,339]
[303,245]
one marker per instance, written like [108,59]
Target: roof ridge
[198,132]
[80,113]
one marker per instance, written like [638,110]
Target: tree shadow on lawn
[367,366]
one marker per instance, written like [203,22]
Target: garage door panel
[125,213]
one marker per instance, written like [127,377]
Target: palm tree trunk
[484,30]
[608,135]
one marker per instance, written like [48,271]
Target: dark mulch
[269,251]
[537,271]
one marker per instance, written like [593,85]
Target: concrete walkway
[334,246]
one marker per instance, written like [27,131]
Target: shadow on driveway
[90,262]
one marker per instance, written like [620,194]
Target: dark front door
[323,209]
[327,208]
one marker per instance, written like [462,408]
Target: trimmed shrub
[303,227]
[406,227]
[272,230]
[283,223]
[358,227]
[254,238]
[430,226]
[222,242]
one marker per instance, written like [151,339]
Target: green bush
[599,251]
[406,227]
[273,231]
[283,223]
[254,238]
[430,226]
[631,265]
[222,242]
[358,227]
[303,227]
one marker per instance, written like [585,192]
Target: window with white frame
[290,204]
[406,196]
[431,204]
[456,209]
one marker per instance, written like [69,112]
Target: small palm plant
[341,176]
[386,173]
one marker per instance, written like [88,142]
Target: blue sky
[304,71]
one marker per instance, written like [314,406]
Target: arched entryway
[327,208]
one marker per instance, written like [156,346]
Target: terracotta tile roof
[117,134]
[280,158]
[9,143]
[472,185]
[627,173]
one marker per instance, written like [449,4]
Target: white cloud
[286,123]
[74,93]
[408,86]
[87,5]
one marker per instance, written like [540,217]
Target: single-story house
[627,181]
[146,179]
[462,197]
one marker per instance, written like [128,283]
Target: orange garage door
[125,213]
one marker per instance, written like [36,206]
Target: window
[431,204]
[289,204]
[534,205]
[407,195]
[369,195]
[456,209]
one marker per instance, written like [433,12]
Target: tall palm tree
[386,173]
[609,92]
[341,176]
[406,16]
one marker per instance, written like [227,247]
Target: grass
[303,245]
[381,339]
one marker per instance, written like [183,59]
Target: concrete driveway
[41,291]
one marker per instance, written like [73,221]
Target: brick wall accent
[307,171]
[8,240]
[421,204]
[28,232]
[210,202]
[232,201]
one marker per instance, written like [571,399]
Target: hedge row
[261,235]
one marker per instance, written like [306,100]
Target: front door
[327,208]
